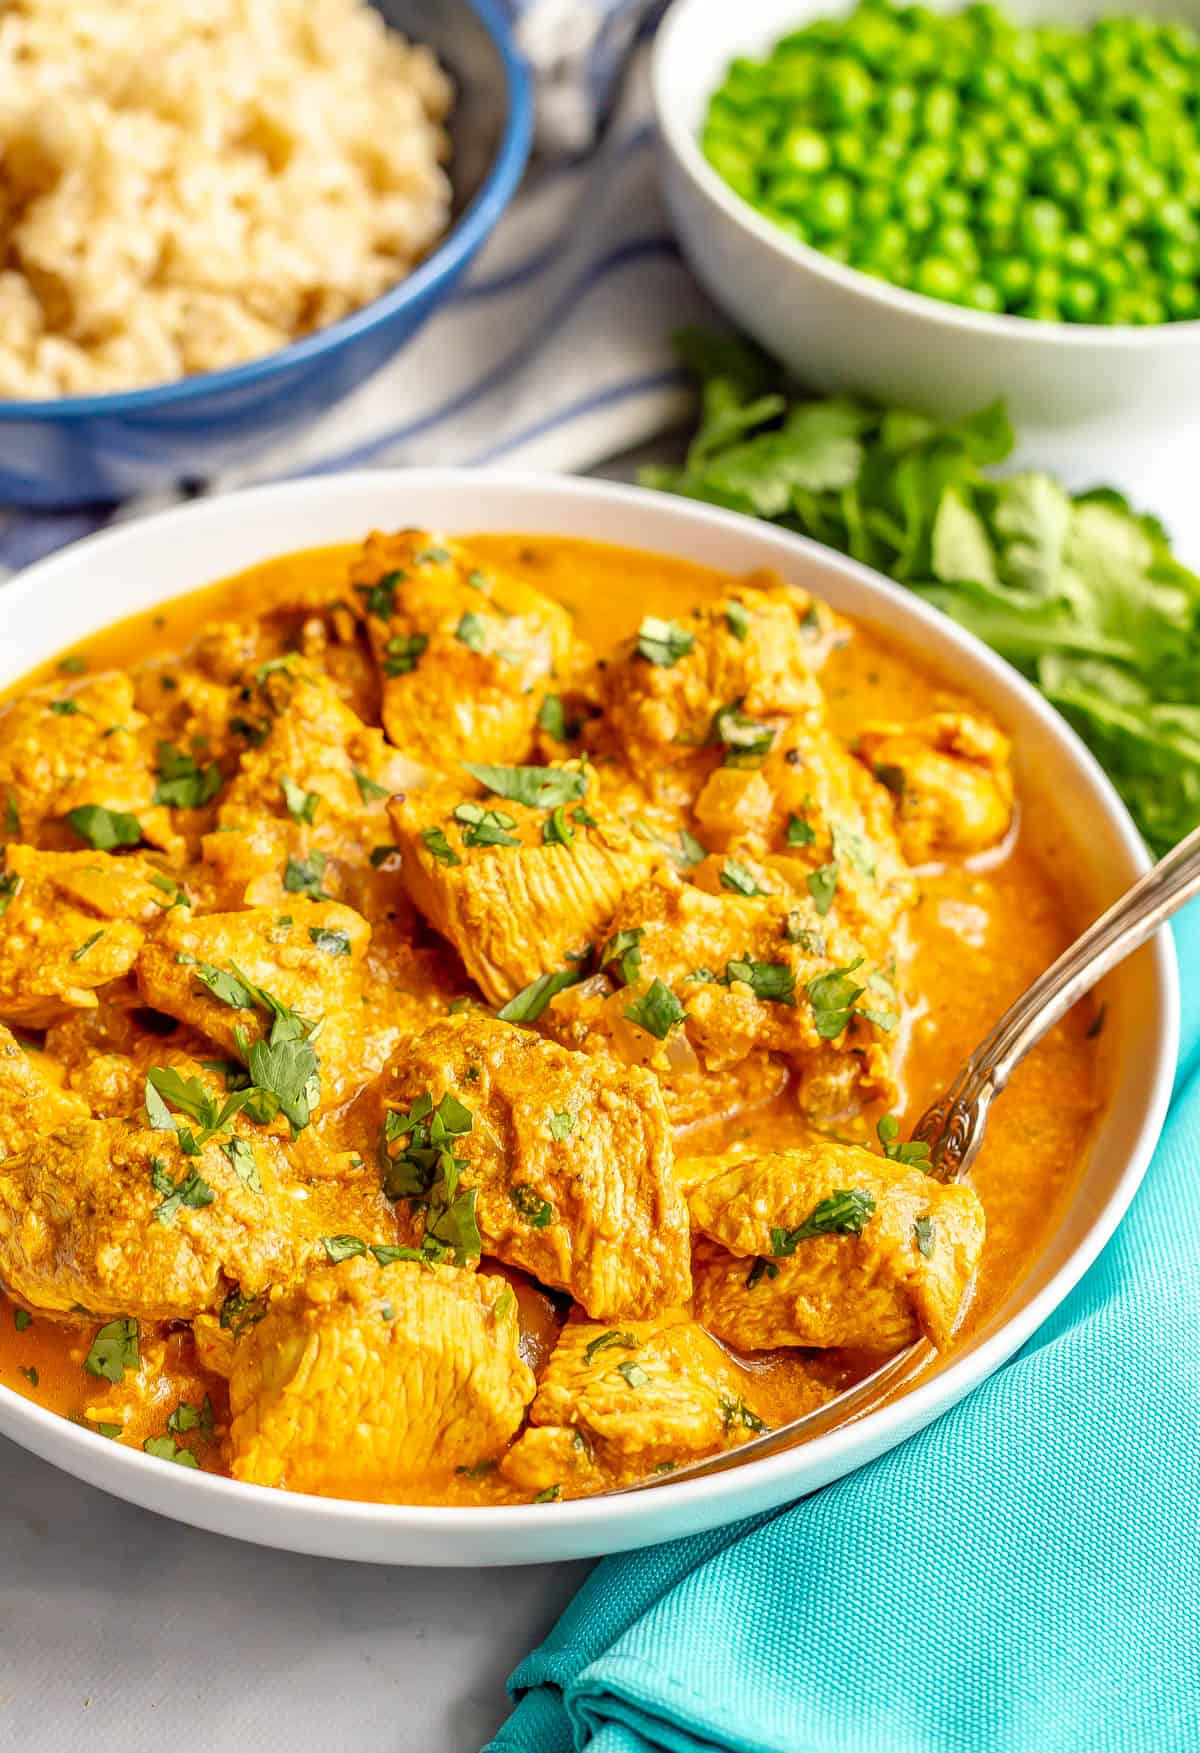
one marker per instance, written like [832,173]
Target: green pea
[831,207]
[805,149]
[1080,299]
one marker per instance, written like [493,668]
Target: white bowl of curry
[463,992]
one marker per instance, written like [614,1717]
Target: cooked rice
[187,184]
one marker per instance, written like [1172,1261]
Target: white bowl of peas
[939,205]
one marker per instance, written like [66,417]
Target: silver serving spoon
[953,1127]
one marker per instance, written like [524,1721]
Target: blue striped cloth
[554,352]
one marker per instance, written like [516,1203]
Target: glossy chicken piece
[465,654]
[308,798]
[305,956]
[950,779]
[517,911]
[569,1159]
[715,981]
[31,1102]
[829,1245]
[65,749]
[371,1380]
[69,923]
[750,657]
[615,1404]
[813,820]
[115,1218]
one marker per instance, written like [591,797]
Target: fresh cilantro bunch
[1080,593]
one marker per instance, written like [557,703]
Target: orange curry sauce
[981,932]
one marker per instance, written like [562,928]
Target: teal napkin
[1022,1575]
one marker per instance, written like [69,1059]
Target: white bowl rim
[306,1523]
[685,149]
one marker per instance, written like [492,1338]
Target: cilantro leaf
[541,788]
[402,652]
[333,943]
[103,828]
[301,805]
[914,1151]
[379,599]
[114,1350]
[663,642]
[624,952]
[614,1336]
[191,1190]
[552,718]
[302,876]
[923,1235]
[747,741]
[537,1211]
[165,1448]
[822,886]
[833,996]
[657,1010]
[472,631]
[343,1247]
[482,827]
[799,833]
[369,789]
[532,1000]
[773,982]
[439,848]
[844,1213]
[737,618]
[182,784]
[88,943]
[242,1161]
[741,881]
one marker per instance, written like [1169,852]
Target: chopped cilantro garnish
[799,833]
[239,1313]
[114,1350]
[368,789]
[822,886]
[472,631]
[426,1171]
[844,1213]
[86,945]
[72,666]
[333,943]
[562,1124]
[657,1011]
[29,1371]
[10,887]
[736,877]
[552,718]
[532,1000]
[923,1232]
[735,1412]
[301,805]
[103,828]
[343,1247]
[165,1448]
[12,820]
[623,951]
[302,876]
[833,996]
[746,740]
[614,1336]
[482,827]
[65,708]
[402,652]
[760,1269]
[634,1374]
[531,1205]
[549,1494]
[556,830]
[853,848]
[914,1152]
[738,618]
[379,599]
[663,642]
[182,783]
[773,982]
[795,931]
[434,556]
[191,1190]
[503,1303]
[381,854]
[439,847]
[22,1320]
[187,1417]
[891,777]
[541,788]
[242,1161]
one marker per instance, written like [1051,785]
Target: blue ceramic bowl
[81,449]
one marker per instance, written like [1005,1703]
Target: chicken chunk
[371,1380]
[118,1220]
[71,922]
[85,749]
[950,777]
[229,974]
[617,1403]
[520,889]
[830,1245]
[31,1102]
[307,802]
[732,673]
[561,1163]
[465,654]
[700,984]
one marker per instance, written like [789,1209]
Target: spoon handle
[953,1127]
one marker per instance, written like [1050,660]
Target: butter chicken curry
[463,1002]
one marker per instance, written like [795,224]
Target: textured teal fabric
[1023,1575]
